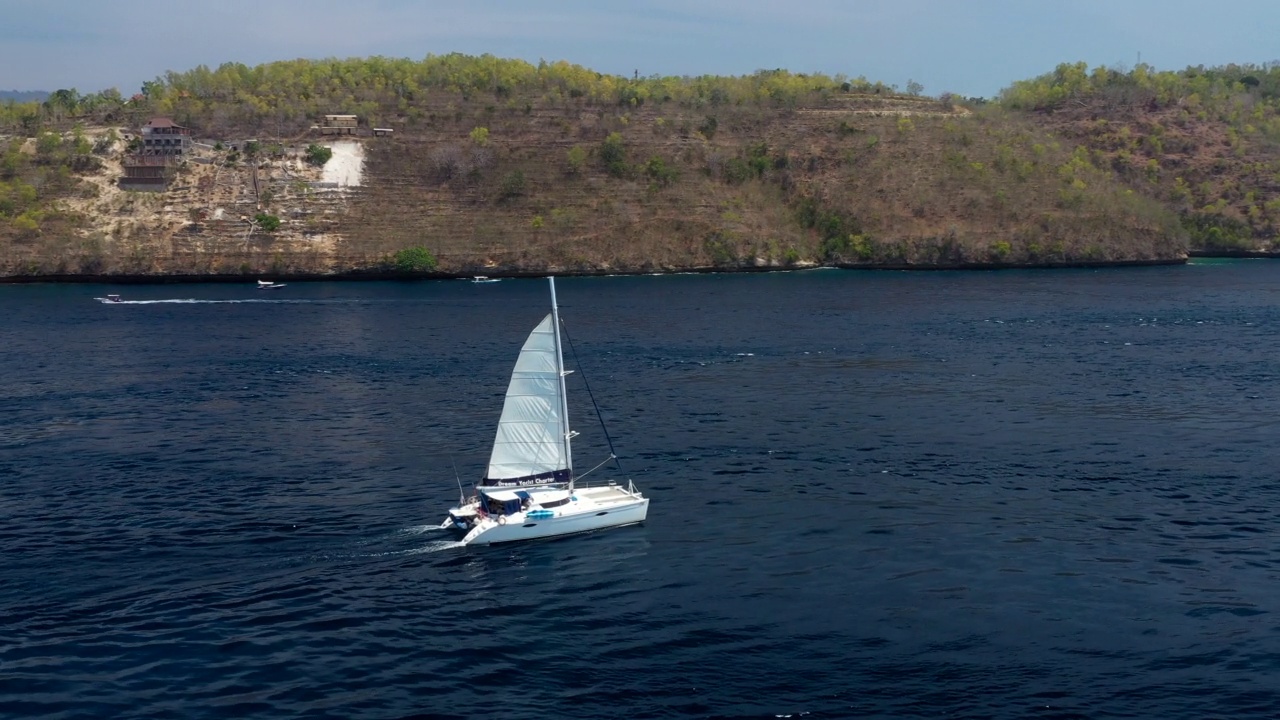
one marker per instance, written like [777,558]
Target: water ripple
[874,494]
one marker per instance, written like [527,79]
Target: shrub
[512,186]
[318,154]
[27,224]
[854,246]
[721,248]
[736,171]
[453,162]
[614,155]
[107,142]
[47,144]
[480,136]
[269,223]
[577,158]
[414,259]
[708,127]
[1211,230]
[661,173]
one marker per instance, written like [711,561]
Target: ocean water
[874,494]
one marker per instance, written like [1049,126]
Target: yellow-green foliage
[28,183]
[1217,91]
[293,93]
[1203,137]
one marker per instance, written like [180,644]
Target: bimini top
[505,495]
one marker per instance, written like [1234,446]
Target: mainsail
[531,446]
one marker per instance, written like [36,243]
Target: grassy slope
[908,181]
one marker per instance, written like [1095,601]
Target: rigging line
[462,495]
[613,455]
[606,462]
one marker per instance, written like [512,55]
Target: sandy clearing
[346,165]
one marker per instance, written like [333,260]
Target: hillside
[500,166]
[853,180]
[1204,141]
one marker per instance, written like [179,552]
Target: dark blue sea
[1047,494]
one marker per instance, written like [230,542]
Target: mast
[564,397]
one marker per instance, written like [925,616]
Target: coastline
[382,275]
[1237,254]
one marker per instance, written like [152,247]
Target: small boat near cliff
[530,490]
[484,279]
[269,285]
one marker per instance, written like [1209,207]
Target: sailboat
[530,490]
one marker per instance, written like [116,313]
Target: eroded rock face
[213,217]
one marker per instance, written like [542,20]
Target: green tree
[269,223]
[577,158]
[660,171]
[513,186]
[614,155]
[414,259]
[318,154]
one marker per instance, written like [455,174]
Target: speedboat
[109,299]
[268,285]
[484,279]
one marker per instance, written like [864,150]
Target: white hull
[528,491]
[592,509]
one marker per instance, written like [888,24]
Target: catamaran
[530,490]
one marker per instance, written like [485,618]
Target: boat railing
[630,485]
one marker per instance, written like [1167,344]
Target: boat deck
[606,494]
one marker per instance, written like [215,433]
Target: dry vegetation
[871,181]
[500,166]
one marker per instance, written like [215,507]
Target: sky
[968,47]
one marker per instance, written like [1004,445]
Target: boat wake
[421,529]
[430,547]
[193,301]
[437,546]
[404,542]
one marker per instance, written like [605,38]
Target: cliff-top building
[152,166]
[339,125]
[162,136]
